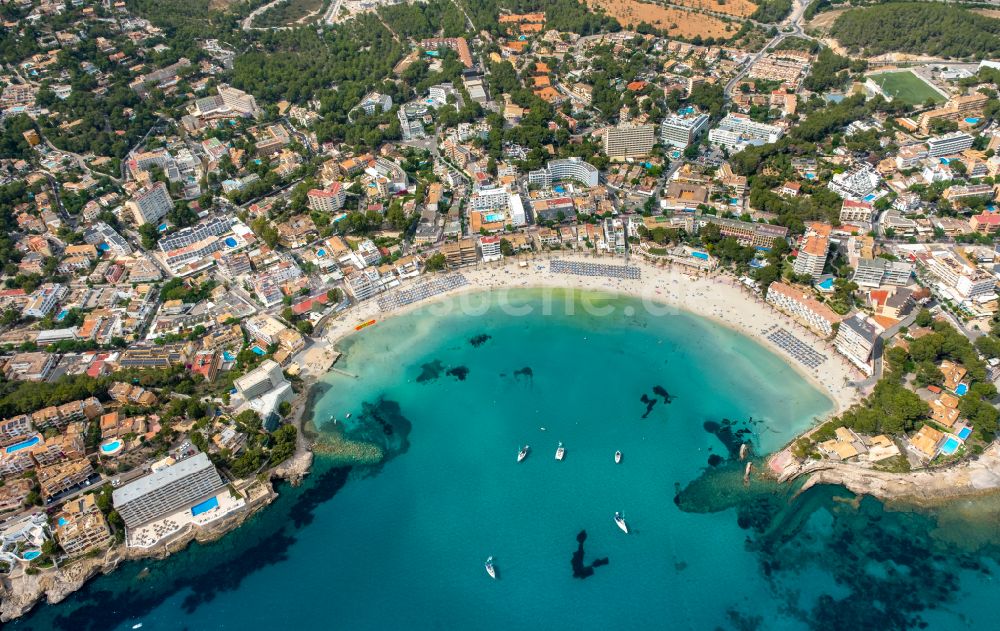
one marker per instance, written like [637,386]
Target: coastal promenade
[718,297]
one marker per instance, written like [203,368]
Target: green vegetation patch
[937,29]
[906,87]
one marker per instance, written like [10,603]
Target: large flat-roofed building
[856,340]
[150,204]
[167,490]
[963,281]
[260,380]
[956,108]
[878,272]
[853,211]
[573,169]
[758,235]
[948,144]
[802,306]
[681,131]
[629,141]
[737,131]
[460,253]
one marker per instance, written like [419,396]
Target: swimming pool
[62,521]
[226,355]
[700,255]
[230,242]
[62,315]
[964,433]
[112,447]
[258,351]
[826,284]
[31,554]
[161,228]
[204,507]
[24,444]
[870,197]
[321,252]
[493,217]
[972,120]
[104,247]
[945,161]
[950,446]
[961,389]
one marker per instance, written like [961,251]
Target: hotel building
[812,254]
[736,131]
[629,141]
[963,281]
[801,306]
[758,235]
[328,200]
[167,490]
[681,131]
[877,272]
[949,144]
[150,204]
[856,340]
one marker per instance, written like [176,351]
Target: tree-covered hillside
[919,28]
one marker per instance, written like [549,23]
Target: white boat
[618,457]
[490,569]
[560,452]
[137,626]
[620,520]
[348,415]
[521,455]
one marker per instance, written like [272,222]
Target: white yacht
[521,455]
[560,452]
[618,457]
[490,569]
[620,520]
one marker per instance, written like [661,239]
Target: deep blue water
[451,397]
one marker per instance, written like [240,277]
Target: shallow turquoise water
[403,546]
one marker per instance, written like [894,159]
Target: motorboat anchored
[560,452]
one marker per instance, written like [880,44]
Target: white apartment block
[856,183]
[681,131]
[150,204]
[853,211]
[877,272]
[803,307]
[494,198]
[812,255]
[736,131]
[963,281]
[949,144]
[629,141]
[856,340]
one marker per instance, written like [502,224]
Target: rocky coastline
[977,476]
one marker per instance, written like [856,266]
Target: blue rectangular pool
[950,446]
[204,507]
[964,433]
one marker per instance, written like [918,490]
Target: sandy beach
[717,296]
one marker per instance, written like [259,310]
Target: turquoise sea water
[452,396]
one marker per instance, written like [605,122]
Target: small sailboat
[620,520]
[348,415]
[560,452]
[492,571]
[137,626]
[746,473]
[521,455]
[618,457]
[743,451]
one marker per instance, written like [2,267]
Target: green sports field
[907,87]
